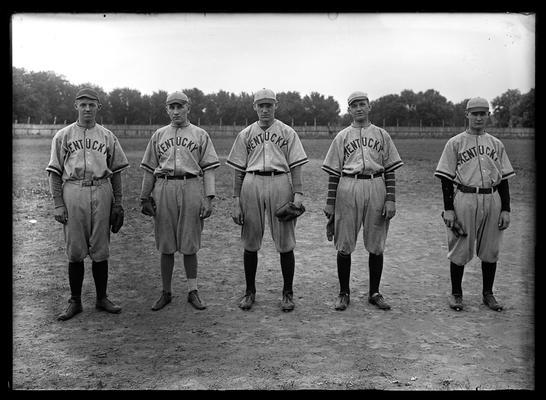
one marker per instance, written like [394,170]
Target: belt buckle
[87,183]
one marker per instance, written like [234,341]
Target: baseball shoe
[105,304]
[490,301]
[165,299]
[247,301]
[343,301]
[377,300]
[287,302]
[456,302]
[74,307]
[195,301]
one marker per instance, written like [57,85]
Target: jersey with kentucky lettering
[79,153]
[179,150]
[474,160]
[275,148]
[361,150]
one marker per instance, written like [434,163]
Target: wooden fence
[145,131]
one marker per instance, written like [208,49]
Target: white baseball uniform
[275,150]
[177,156]
[355,151]
[478,161]
[85,159]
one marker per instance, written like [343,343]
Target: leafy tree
[503,107]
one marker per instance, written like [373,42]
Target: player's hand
[329,210]
[504,220]
[389,209]
[449,218]
[148,207]
[206,208]
[236,213]
[61,215]
[298,199]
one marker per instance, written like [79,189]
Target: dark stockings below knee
[100,275]
[456,272]
[250,261]
[375,271]
[344,272]
[288,264]
[488,276]
[76,273]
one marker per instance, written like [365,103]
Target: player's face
[178,112]
[359,110]
[265,111]
[87,110]
[477,120]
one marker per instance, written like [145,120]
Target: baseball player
[267,158]
[475,163]
[176,155]
[85,181]
[360,162]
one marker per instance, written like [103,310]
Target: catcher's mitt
[116,218]
[457,228]
[330,228]
[289,211]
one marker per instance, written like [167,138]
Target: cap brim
[182,102]
[265,101]
[357,98]
[478,108]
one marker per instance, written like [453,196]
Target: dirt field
[418,345]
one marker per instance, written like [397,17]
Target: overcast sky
[461,55]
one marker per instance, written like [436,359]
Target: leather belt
[92,182]
[363,176]
[185,176]
[267,173]
[472,189]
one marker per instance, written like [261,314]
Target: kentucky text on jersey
[89,144]
[469,154]
[180,141]
[266,137]
[365,141]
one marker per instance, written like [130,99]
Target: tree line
[46,97]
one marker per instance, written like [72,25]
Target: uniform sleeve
[238,156]
[392,160]
[117,159]
[150,161]
[296,152]
[333,162]
[506,167]
[57,156]
[209,158]
[447,165]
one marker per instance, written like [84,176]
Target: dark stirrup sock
[456,278]
[288,264]
[100,274]
[375,265]
[488,276]
[76,273]
[250,261]
[344,272]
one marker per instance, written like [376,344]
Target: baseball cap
[477,102]
[357,96]
[177,97]
[87,93]
[265,96]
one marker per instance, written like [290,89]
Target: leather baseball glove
[457,228]
[289,211]
[116,218]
